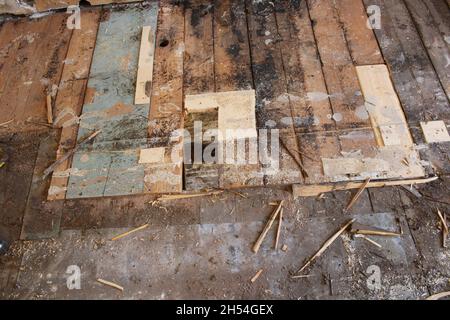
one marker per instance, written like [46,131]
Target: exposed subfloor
[201,248]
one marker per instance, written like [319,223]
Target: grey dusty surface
[201,248]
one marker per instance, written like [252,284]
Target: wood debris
[438,296]
[256,276]
[269,223]
[68,155]
[362,230]
[111,284]
[188,196]
[280,221]
[444,228]
[357,195]
[49,109]
[4,124]
[284,248]
[120,236]
[326,245]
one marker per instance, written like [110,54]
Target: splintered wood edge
[316,190]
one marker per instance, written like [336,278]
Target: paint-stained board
[109,165]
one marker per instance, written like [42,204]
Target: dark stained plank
[166,108]
[199,78]
[360,39]
[231,48]
[17,79]
[432,21]
[340,75]
[233,72]
[416,82]
[273,100]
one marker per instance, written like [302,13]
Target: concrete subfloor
[201,248]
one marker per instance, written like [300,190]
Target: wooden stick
[444,228]
[188,196]
[111,284]
[357,195]
[377,233]
[68,155]
[280,221]
[438,296]
[129,232]
[6,123]
[301,166]
[326,245]
[369,240]
[256,276]
[49,109]
[302,190]
[269,223]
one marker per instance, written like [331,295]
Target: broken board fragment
[435,131]
[390,162]
[300,190]
[236,119]
[152,155]
[383,106]
[145,67]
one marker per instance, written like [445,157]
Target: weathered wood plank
[360,39]
[166,110]
[274,101]
[340,75]
[432,21]
[70,97]
[145,67]
[109,165]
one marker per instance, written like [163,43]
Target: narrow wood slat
[70,97]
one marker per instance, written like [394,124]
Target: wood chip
[438,296]
[357,195]
[49,109]
[269,223]
[326,245]
[129,232]
[256,276]
[284,248]
[6,123]
[369,240]
[444,228]
[111,284]
[280,221]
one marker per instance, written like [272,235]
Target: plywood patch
[145,67]
[383,105]
[435,131]
[152,155]
[237,118]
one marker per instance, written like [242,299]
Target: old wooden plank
[360,39]
[70,96]
[431,19]
[198,79]
[47,70]
[233,72]
[415,80]
[274,101]
[340,74]
[231,48]
[99,168]
[303,68]
[18,59]
[166,111]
